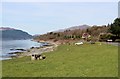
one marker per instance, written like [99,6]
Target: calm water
[15,44]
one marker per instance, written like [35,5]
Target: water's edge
[6,47]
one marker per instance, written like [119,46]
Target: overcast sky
[42,17]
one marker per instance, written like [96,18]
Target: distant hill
[74,28]
[14,34]
[74,33]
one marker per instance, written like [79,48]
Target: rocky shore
[50,46]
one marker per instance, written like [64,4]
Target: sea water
[7,45]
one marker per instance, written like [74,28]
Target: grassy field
[67,61]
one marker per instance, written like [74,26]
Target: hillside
[74,33]
[14,34]
[74,28]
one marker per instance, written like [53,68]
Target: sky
[43,17]
[59,0]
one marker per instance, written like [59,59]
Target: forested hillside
[96,33]
[14,34]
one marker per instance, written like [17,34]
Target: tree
[115,27]
[58,35]
[51,33]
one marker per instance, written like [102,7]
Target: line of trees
[115,27]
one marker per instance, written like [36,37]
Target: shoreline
[50,46]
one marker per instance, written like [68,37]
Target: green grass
[67,61]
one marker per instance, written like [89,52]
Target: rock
[28,50]
[19,49]
[92,42]
[15,53]
[31,47]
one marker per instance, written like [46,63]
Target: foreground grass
[67,61]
